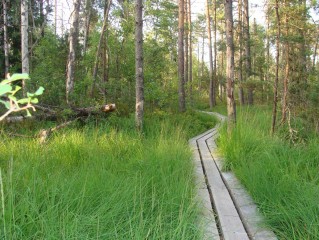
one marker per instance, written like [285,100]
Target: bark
[287,72]
[87,22]
[231,106]
[139,74]
[247,48]
[212,102]
[5,38]
[24,39]
[99,47]
[186,42]
[274,112]
[215,48]
[190,76]
[181,77]
[73,41]
[240,70]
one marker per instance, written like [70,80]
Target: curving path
[228,212]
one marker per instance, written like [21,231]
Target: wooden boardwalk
[228,212]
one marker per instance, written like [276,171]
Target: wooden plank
[248,210]
[207,216]
[230,222]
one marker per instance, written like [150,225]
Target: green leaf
[13,98]
[39,91]
[34,100]
[24,100]
[5,89]
[6,104]
[28,113]
[19,76]
[16,90]
[30,95]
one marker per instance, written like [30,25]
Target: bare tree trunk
[73,41]
[215,49]
[210,54]
[231,106]
[87,21]
[5,38]
[190,77]
[24,39]
[274,111]
[287,72]
[181,77]
[98,51]
[240,73]
[186,41]
[139,65]
[247,49]
[268,46]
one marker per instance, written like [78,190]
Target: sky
[64,8]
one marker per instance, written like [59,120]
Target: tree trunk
[98,51]
[287,72]
[240,70]
[274,111]
[73,41]
[210,54]
[247,49]
[186,42]
[190,76]
[5,38]
[231,106]
[139,65]
[87,21]
[181,77]
[24,39]
[215,49]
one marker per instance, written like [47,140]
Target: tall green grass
[103,181]
[282,178]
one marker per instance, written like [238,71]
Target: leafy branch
[11,102]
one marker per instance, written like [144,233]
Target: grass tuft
[103,181]
[282,178]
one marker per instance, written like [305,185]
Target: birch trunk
[73,41]
[24,40]
[5,38]
[139,106]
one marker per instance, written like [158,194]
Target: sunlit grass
[282,178]
[103,181]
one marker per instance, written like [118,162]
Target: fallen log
[44,134]
[53,115]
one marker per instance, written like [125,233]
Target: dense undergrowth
[102,181]
[283,178]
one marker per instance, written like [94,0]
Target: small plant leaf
[6,104]
[34,100]
[39,91]
[5,89]
[23,100]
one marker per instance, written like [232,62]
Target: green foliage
[104,181]
[282,178]
[10,101]
[49,61]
